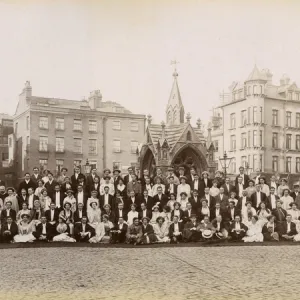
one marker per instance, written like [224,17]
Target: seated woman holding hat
[254,232]
[103,231]
[62,232]
[161,230]
[148,236]
[183,187]
[67,215]
[25,229]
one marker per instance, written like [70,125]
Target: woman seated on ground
[62,232]
[161,230]
[176,212]
[25,229]
[107,211]
[134,232]
[102,231]
[45,200]
[37,212]
[254,232]
[166,214]
[13,198]
[132,214]
[67,215]
[270,231]
[263,212]
[155,214]
[214,191]
[172,201]
[148,236]
[23,211]
[94,214]
[247,213]
[38,190]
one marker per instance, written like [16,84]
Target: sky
[124,48]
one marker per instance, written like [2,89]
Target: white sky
[124,48]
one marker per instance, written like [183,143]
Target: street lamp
[87,167]
[225,162]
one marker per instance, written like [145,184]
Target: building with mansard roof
[175,142]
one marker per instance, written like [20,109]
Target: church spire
[175,109]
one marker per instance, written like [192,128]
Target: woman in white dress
[132,214]
[71,200]
[45,200]
[183,200]
[62,232]
[263,213]
[38,190]
[254,232]
[247,213]
[94,214]
[172,201]
[286,199]
[25,229]
[183,187]
[214,191]
[12,197]
[155,214]
[102,231]
[23,211]
[158,182]
[161,231]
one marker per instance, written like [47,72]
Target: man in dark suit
[228,187]
[90,179]
[279,213]
[287,230]
[8,212]
[27,183]
[3,193]
[195,201]
[94,187]
[83,231]
[232,212]
[106,198]
[30,198]
[23,198]
[145,212]
[210,199]
[119,231]
[258,196]
[75,178]
[176,230]
[58,197]
[271,199]
[160,198]
[79,213]
[245,177]
[145,175]
[171,187]
[239,187]
[120,212]
[216,211]
[50,185]
[35,177]
[207,182]
[295,192]
[44,231]
[195,184]
[188,212]
[237,229]
[8,230]
[81,196]
[222,199]
[133,199]
[116,177]
[52,214]
[147,200]
[128,177]
[243,200]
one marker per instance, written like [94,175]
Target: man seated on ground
[44,231]
[220,228]
[134,232]
[287,229]
[83,231]
[8,230]
[270,230]
[237,229]
[176,230]
[118,233]
[206,229]
[190,233]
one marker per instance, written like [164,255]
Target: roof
[172,133]
[257,75]
[5,116]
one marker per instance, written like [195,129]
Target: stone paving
[152,273]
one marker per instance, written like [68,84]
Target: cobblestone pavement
[151,273]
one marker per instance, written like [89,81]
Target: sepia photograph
[150,149]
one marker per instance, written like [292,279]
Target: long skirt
[258,237]
[63,237]
[25,238]
[165,239]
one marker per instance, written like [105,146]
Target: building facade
[175,142]
[259,125]
[51,133]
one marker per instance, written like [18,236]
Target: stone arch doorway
[188,157]
[148,162]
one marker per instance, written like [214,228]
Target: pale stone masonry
[51,133]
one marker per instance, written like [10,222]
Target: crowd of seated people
[143,209]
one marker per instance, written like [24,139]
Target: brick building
[258,125]
[52,133]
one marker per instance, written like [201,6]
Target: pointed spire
[256,75]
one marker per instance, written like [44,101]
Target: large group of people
[143,209]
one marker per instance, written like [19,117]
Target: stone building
[51,133]
[259,124]
[175,142]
